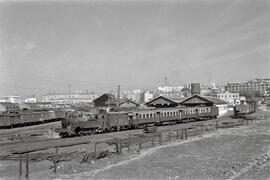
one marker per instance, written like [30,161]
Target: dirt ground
[28,133]
[242,152]
[236,153]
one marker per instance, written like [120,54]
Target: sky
[97,45]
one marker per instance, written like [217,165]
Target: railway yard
[130,89]
[237,149]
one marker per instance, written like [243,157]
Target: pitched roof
[196,99]
[176,99]
[161,98]
[128,101]
[110,96]
[203,100]
[215,100]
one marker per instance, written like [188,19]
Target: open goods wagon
[27,118]
[243,109]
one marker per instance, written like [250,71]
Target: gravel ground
[236,153]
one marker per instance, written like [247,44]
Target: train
[105,121]
[30,117]
[243,109]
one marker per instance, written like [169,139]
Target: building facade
[174,91]
[253,86]
[228,97]
[12,99]
[74,98]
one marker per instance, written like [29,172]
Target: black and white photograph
[135,89]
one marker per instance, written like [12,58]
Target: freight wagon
[29,117]
[243,109]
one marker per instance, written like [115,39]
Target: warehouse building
[161,102]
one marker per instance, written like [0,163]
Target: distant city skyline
[45,46]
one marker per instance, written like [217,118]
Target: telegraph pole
[118,103]
[69,89]
[214,104]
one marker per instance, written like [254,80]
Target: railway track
[11,147]
[29,129]
[37,131]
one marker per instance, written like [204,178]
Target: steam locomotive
[105,121]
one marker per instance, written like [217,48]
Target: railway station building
[128,104]
[163,102]
[223,106]
[198,100]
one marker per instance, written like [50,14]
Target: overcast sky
[97,45]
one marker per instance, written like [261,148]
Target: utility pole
[166,81]
[118,103]
[69,89]
[213,94]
